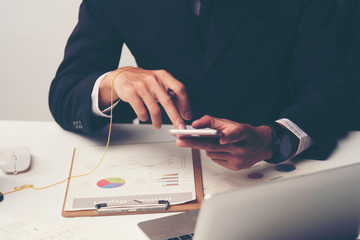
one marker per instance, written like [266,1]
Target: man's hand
[240,147]
[143,90]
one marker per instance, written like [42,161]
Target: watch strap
[278,133]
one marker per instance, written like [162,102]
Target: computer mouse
[15,159]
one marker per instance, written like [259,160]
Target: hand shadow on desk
[130,133]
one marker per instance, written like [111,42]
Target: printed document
[37,226]
[142,172]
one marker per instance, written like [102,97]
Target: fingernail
[181,126]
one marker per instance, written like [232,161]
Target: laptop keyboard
[182,237]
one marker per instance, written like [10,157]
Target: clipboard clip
[132,206]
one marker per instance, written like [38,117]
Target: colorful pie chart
[111,182]
[255,175]
[285,167]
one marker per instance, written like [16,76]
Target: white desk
[52,150]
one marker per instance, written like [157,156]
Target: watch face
[285,147]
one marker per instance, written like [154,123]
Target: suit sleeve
[93,48]
[318,80]
[353,57]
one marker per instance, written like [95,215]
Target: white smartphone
[204,133]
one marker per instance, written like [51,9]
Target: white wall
[33,34]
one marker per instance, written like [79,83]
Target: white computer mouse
[15,159]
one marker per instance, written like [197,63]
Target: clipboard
[189,206]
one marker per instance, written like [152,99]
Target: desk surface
[52,150]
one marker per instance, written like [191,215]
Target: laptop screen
[323,205]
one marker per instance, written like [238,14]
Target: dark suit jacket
[264,60]
[349,32]
[354,64]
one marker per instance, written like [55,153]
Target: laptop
[322,205]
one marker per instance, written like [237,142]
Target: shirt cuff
[95,99]
[305,141]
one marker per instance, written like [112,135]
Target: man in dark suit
[349,32]
[244,64]
[354,63]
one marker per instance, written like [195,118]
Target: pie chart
[255,175]
[111,182]
[285,167]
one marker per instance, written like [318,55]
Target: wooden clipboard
[189,206]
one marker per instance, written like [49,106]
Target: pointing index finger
[179,89]
[167,101]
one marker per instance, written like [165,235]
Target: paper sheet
[37,226]
[145,172]
[219,179]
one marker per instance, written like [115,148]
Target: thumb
[208,122]
[231,135]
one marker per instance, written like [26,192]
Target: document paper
[37,226]
[218,179]
[142,172]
